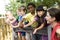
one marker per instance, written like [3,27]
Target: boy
[21,12]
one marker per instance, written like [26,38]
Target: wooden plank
[5,30]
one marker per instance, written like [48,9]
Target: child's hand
[25,26]
[22,25]
[35,31]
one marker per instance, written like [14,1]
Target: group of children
[37,19]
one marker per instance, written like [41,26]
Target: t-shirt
[53,35]
[29,18]
[20,18]
[15,23]
[40,20]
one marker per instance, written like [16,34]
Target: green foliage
[14,4]
[0,15]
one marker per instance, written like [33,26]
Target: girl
[53,18]
[11,20]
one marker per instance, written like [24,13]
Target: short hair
[31,4]
[24,8]
[54,12]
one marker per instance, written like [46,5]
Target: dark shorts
[23,33]
[18,30]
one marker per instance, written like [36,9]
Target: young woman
[53,18]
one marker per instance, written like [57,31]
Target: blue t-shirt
[20,18]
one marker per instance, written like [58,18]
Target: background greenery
[14,4]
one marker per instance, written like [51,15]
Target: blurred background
[12,5]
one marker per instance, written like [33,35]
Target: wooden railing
[5,30]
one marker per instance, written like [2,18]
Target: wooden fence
[5,30]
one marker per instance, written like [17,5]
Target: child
[28,18]
[11,20]
[21,12]
[53,18]
[40,19]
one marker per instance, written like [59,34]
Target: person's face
[49,18]
[9,15]
[31,8]
[23,12]
[40,13]
[20,12]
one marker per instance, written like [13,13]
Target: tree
[14,4]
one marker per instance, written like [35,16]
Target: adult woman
[53,18]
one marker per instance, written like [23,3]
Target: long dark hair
[54,12]
[41,19]
[40,8]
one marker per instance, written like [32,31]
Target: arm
[44,23]
[58,32]
[39,28]
[30,23]
[20,24]
[16,25]
[13,20]
[7,21]
[26,18]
